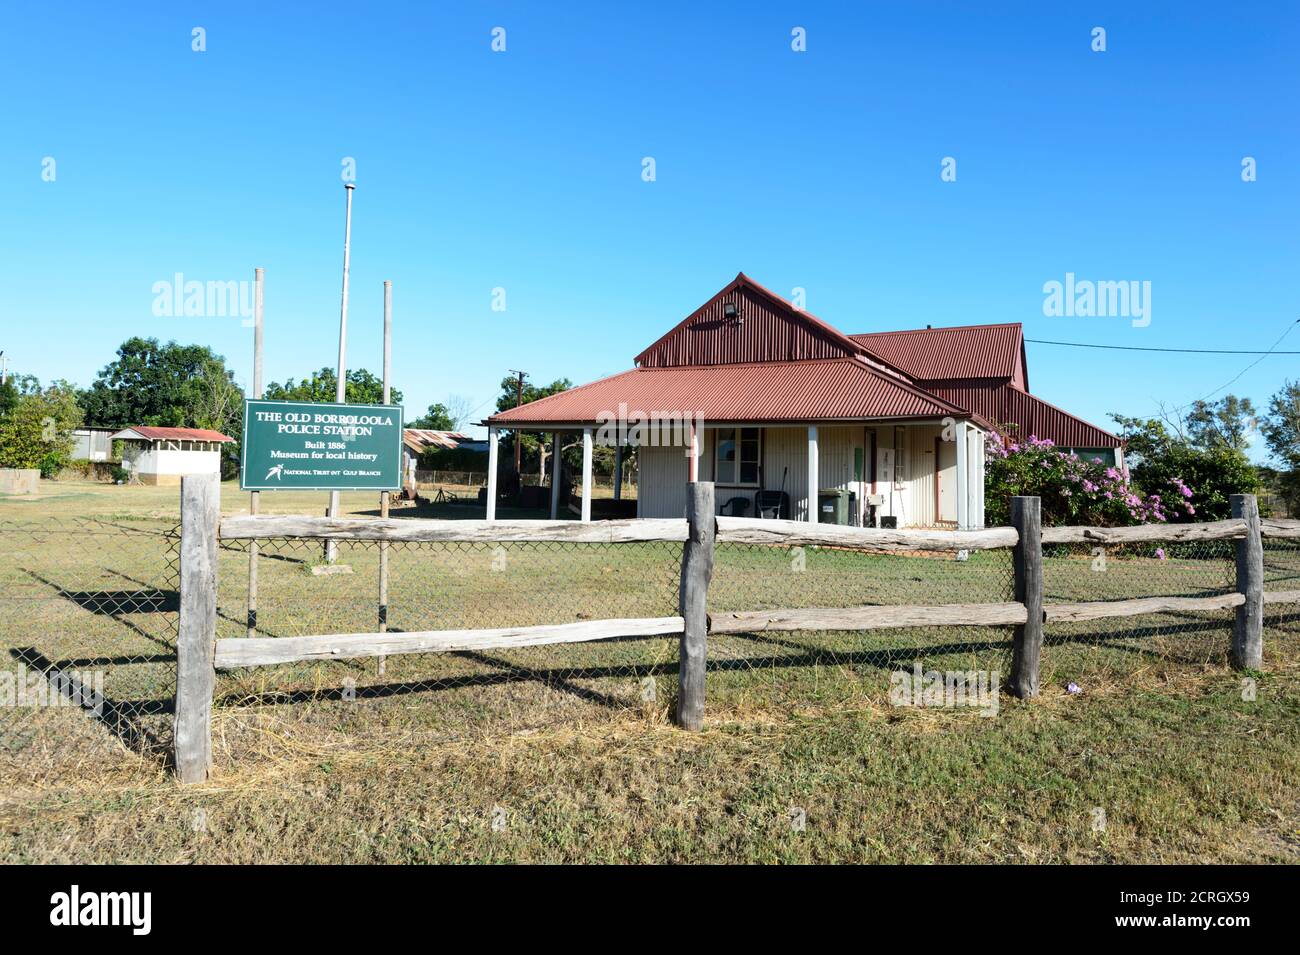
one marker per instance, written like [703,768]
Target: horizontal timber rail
[755,530]
[1146,533]
[1101,609]
[243,652]
[870,618]
[414,530]
[1279,527]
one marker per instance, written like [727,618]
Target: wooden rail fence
[200,654]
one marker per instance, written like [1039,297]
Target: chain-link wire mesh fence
[452,586]
[1086,652]
[88,624]
[1281,573]
[806,668]
[95,601]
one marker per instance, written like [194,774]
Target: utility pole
[340,391]
[4,369]
[519,400]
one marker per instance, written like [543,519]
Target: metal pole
[340,390]
[258,278]
[383,495]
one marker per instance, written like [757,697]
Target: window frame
[738,463]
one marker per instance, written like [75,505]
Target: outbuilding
[162,456]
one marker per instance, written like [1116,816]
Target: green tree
[1226,423]
[13,388]
[166,386]
[1281,429]
[36,433]
[1158,457]
[535,448]
[363,388]
[437,418]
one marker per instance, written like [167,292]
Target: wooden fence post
[1248,626]
[1026,518]
[195,676]
[697,569]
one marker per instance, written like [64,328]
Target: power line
[1192,351]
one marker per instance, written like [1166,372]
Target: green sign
[306,445]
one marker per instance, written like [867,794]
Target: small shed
[163,455]
[92,444]
[416,440]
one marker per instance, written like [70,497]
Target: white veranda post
[812,473]
[586,474]
[492,475]
[555,475]
[963,475]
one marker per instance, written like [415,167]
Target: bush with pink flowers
[1073,490]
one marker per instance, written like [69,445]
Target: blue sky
[523,170]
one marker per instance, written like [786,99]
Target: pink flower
[1160,552]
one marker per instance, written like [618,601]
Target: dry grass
[586,769]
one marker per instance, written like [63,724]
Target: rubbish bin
[834,505]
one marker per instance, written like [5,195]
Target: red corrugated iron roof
[963,351]
[173,434]
[772,329]
[813,390]
[1004,404]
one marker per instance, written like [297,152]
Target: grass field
[572,746]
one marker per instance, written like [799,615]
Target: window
[737,456]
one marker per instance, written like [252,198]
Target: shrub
[1072,490]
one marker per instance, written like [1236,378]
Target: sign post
[320,446]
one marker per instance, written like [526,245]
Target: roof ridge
[941,328]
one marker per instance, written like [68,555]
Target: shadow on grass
[121,718]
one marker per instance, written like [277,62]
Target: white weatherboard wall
[663,472]
[153,464]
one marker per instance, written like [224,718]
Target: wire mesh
[458,585]
[88,624]
[805,668]
[1088,652]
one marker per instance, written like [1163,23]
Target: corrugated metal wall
[766,334]
[661,482]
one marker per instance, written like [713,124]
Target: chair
[735,507]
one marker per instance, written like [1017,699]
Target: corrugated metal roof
[172,434]
[963,351]
[418,439]
[813,390]
[1004,404]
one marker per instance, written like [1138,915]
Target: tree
[167,386]
[1159,458]
[1281,429]
[1226,423]
[437,418]
[363,388]
[14,387]
[36,433]
[535,448]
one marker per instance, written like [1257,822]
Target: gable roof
[796,391]
[770,329]
[963,351]
[141,432]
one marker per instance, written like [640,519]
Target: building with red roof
[162,456]
[768,401]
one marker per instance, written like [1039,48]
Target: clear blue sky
[522,170]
